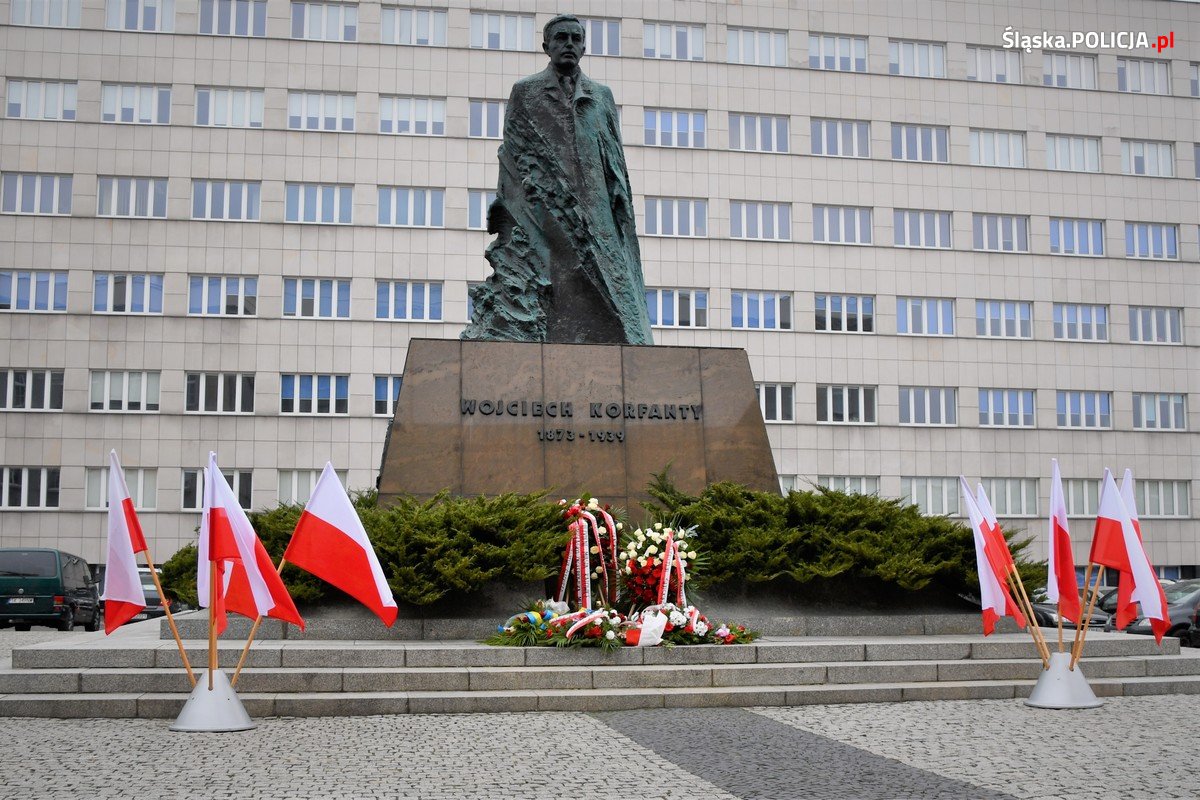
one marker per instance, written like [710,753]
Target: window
[1147,158]
[677,308]
[1195,70]
[219,393]
[1008,319]
[1068,71]
[229,108]
[928,405]
[327,22]
[33,193]
[776,401]
[673,216]
[845,313]
[501,31]
[1077,237]
[761,310]
[487,119]
[33,290]
[41,100]
[316,297]
[1002,233]
[924,316]
[1196,158]
[413,26]
[770,221]
[760,134]
[387,391]
[840,53]
[127,293]
[603,36]
[226,200]
[841,137]
[850,484]
[1143,76]
[1163,412]
[1072,153]
[408,300]
[150,16]
[1157,498]
[144,198]
[846,405]
[411,207]
[222,295]
[993,65]
[233,17]
[296,485]
[314,394]
[1078,409]
[1012,497]
[1151,240]
[1082,496]
[917,228]
[325,203]
[240,481]
[478,203]
[412,116]
[1006,408]
[920,143]
[47,14]
[764,48]
[31,389]
[1082,323]
[933,496]
[841,225]
[663,128]
[141,482]
[123,391]
[997,148]
[1155,325]
[29,487]
[917,59]
[320,111]
[671,41]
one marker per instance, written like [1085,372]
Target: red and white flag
[123,596]
[997,544]
[1117,545]
[331,543]
[994,597]
[247,582]
[1062,584]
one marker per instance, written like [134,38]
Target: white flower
[657,561]
[595,549]
[701,627]
[677,618]
[691,554]
[658,526]
[610,635]
[620,526]
[651,549]
[593,503]
[641,562]
[628,570]
[657,537]
[641,537]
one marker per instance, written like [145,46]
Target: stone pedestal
[491,417]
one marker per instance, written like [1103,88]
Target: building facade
[221,222]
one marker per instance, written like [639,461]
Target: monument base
[483,417]
[216,710]
[1063,687]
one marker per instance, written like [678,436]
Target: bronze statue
[566,264]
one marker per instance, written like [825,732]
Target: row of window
[338,22]
[329,298]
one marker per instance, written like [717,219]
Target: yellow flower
[692,554]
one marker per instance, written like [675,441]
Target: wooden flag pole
[212,626]
[1039,642]
[187,665]
[1087,618]
[1087,589]
[250,639]
[1032,617]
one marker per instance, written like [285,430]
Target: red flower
[669,627]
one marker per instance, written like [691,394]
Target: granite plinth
[478,417]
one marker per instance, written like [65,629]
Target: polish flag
[994,597]
[1117,545]
[997,544]
[123,596]
[331,543]
[1062,584]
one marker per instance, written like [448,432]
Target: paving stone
[725,696]
[341,705]
[100,681]
[358,655]
[583,656]
[773,653]
[76,706]
[493,679]
[920,650]
[866,625]
[321,679]
[596,700]
[41,681]
[701,654]
[227,657]
[874,693]
[405,680]
[881,672]
[959,691]
[471,702]
[48,658]
[756,675]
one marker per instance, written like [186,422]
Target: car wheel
[94,623]
[21,627]
[1180,633]
[68,624]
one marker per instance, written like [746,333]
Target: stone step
[307,704]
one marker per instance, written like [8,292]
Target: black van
[39,586]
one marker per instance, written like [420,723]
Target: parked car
[1046,616]
[40,586]
[1191,637]
[1183,598]
[154,607]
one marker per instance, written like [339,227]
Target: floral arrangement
[653,555]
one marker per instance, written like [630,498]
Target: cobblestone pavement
[1138,748]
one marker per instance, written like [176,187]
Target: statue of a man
[566,264]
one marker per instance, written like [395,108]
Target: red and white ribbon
[583,623]
[672,562]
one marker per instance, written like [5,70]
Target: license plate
[141,616]
[16,600]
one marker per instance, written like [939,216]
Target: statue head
[565,41]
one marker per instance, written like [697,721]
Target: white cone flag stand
[1063,687]
[215,710]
